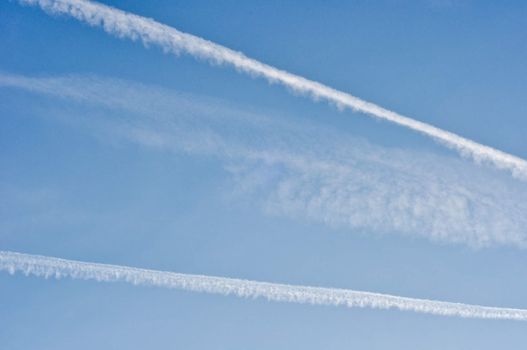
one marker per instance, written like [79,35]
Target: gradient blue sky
[73,184]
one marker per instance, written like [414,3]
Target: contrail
[127,25]
[43,266]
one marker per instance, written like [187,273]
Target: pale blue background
[459,65]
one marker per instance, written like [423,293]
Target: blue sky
[112,152]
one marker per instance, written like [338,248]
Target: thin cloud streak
[43,266]
[127,25]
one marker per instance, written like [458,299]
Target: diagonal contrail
[127,25]
[43,266]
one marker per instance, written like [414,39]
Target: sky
[117,153]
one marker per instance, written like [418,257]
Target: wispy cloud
[43,266]
[304,171]
[127,25]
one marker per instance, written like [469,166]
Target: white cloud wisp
[307,172]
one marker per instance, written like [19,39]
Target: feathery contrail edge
[43,266]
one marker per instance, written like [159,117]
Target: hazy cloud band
[301,170]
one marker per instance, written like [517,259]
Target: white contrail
[43,266]
[126,25]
